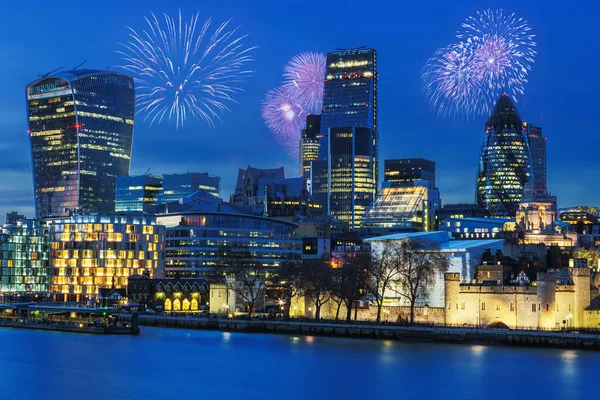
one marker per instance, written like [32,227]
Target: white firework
[186,69]
[304,75]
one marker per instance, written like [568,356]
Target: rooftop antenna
[84,61]
[148,171]
[51,72]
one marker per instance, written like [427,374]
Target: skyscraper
[349,118]
[352,186]
[504,164]
[137,193]
[176,186]
[537,146]
[80,130]
[309,144]
[407,170]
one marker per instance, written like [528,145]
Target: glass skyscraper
[537,145]
[408,170]
[137,193]
[348,150]
[80,130]
[505,161]
[176,186]
[309,144]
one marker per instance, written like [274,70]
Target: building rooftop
[442,238]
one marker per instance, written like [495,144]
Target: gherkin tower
[505,161]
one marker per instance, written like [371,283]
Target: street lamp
[477,316]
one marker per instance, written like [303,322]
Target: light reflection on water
[171,364]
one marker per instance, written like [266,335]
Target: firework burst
[186,69]
[494,55]
[304,75]
[285,117]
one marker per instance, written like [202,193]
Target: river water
[188,364]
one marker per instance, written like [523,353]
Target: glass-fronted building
[505,161]
[200,226]
[137,193]
[24,258]
[309,144]
[537,147]
[80,130]
[89,251]
[176,186]
[349,112]
[352,184]
[408,170]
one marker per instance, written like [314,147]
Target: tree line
[402,269]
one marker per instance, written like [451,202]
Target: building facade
[407,170]
[309,144]
[537,147]
[24,258]
[80,131]
[199,227]
[505,161]
[176,186]
[137,193]
[89,251]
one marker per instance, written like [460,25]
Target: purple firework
[284,116]
[452,85]
[304,76]
[504,49]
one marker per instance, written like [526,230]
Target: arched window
[168,305]
[176,305]
[194,305]
[186,305]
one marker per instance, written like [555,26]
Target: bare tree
[291,282]
[317,275]
[422,261]
[350,281]
[384,273]
[244,275]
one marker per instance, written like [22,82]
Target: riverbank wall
[494,337]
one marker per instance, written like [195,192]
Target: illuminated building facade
[405,208]
[537,147]
[137,193]
[199,226]
[309,144]
[352,183]
[24,258]
[80,130]
[176,186]
[505,161]
[408,170]
[101,250]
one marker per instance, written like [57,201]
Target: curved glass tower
[80,130]
[504,163]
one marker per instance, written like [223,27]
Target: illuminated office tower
[407,170]
[177,186]
[352,186]
[137,193]
[89,251]
[80,130]
[309,144]
[504,164]
[24,258]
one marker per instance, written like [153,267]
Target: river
[186,364]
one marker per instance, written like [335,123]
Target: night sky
[561,96]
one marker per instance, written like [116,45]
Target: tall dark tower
[309,144]
[349,110]
[505,161]
[80,131]
[537,146]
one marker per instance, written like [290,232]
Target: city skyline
[556,100]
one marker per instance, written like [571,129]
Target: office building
[176,186]
[461,210]
[402,208]
[80,131]
[24,258]
[200,226]
[12,218]
[137,193]
[349,117]
[537,148]
[309,144]
[248,181]
[504,164]
[352,183]
[90,251]
[407,170]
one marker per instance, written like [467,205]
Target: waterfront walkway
[555,339]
